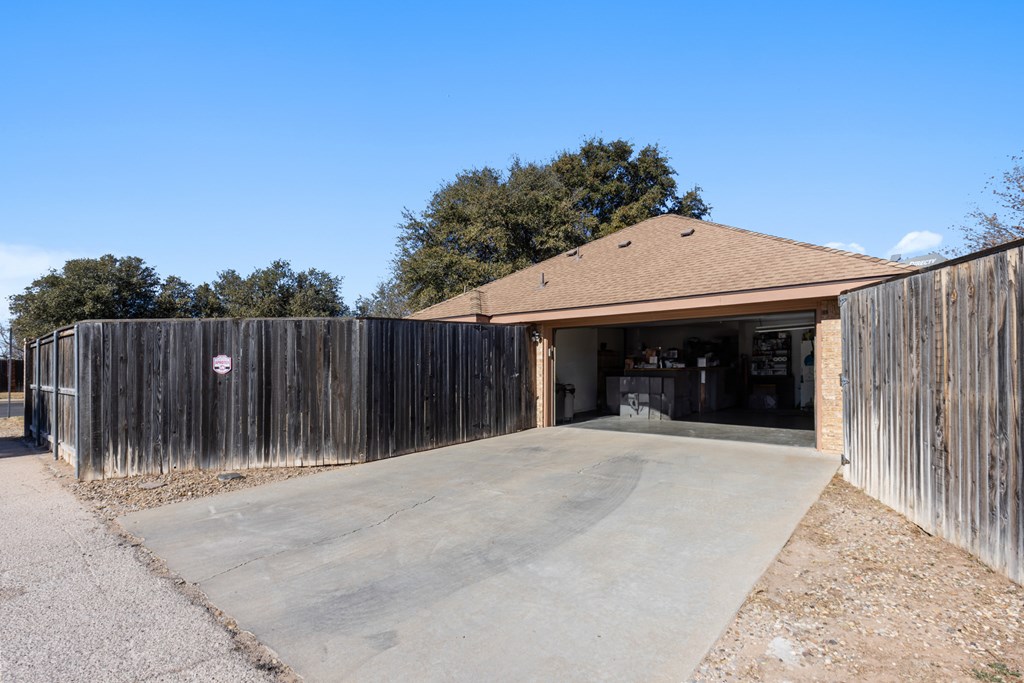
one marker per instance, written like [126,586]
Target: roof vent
[625,244]
[573,252]
[542,280]
[686,233]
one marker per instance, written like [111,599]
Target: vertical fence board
[932,410]
[145,399]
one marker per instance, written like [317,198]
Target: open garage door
[744,378]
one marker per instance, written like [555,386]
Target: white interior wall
[576,363]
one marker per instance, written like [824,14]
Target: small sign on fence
[222,364]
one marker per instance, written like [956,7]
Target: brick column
[828,365]
[542,371]
[538,381]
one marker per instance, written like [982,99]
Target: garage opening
[746,378]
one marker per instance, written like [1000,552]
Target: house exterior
[759,314]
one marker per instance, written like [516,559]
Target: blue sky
[207,136]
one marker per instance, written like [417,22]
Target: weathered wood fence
[933,401]
[142,397]
[16,374]
[50,397]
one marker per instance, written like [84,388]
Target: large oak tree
[487,223]
[84,289]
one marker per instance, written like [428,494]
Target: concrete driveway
[557,554]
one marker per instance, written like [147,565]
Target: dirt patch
[860,593]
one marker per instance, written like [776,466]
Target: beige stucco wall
[828,365]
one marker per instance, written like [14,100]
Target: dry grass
[11,427]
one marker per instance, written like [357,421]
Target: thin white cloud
[20,264]
[847,246]
[916,242]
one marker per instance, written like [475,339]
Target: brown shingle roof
[661,264]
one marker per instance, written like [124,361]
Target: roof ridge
[817,247]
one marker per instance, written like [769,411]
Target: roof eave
[692,304]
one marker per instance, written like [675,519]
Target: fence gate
[51,401]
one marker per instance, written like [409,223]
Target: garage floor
[726,425]
[555,554]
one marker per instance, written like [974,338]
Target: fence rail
[142,397]
[933,401]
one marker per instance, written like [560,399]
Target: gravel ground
[861,594]
[76,603]
[112,498]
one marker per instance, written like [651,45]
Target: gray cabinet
[648,398]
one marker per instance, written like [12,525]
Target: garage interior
[695,377]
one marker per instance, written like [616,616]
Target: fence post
[35,394]
[78,428]
[26,424]
[10,366]
[55,410]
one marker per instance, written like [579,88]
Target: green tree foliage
[482,227]
[613,188]
[206,304]
[983,229]
[278,292]
[487,224]
[105,287]
[176,299]
[386,301]
[117,288]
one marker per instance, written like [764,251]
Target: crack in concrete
[370,526]
[320,541]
